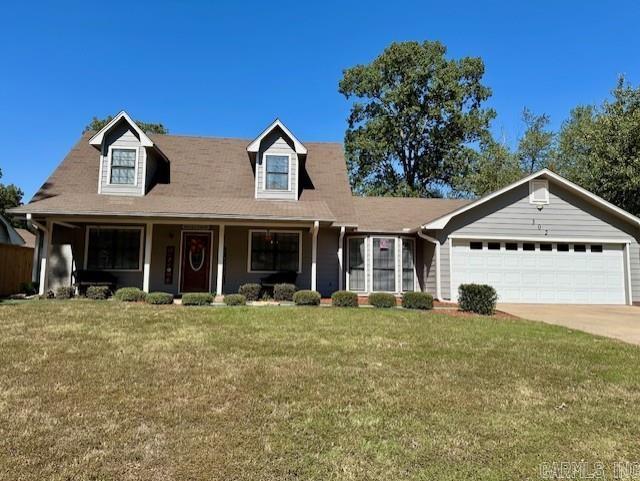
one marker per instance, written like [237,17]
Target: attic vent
[539,192]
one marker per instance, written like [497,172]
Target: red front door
[196,261]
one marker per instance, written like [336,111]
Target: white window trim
[366,256]
[114,227]
[251,231]
[135,173]
[532,188]
[264,172]
[415,272]
[195,231]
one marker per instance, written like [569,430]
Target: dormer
[278,156]
[128,158]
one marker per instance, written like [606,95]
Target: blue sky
[205,68]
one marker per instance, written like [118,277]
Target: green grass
[109,391]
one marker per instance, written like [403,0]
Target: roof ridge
[239,139]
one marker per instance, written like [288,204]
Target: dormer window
[123,166]
[277,172]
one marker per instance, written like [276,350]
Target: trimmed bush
[344,299]
[65,292]
[197,299]
[129,294]
[251,292]
[235,300]
[382,299]
[98,293]
[49,295]
[284,292]
[478,298]
[158,298]
[307,298]
[417,300]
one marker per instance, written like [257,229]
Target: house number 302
[546,231]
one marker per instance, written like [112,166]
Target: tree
[599,148]
[536,146]
[416,118]
[10,196]
[97,124]
[495,166]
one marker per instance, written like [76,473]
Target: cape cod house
[180,214]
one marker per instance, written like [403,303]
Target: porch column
[44,258]
[36,257]
[314,253]
[220,260]
[340,258]
[147,256]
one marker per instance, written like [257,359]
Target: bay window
[356,266]
[274,251]
[114,248]
[408,264]
[384,264]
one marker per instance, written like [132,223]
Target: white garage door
[542,272]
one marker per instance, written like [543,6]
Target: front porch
[183,257]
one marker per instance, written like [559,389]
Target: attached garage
[543,272]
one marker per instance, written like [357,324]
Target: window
[356,264]
[123,166]
[511,246]
[563,247]
[274,251]
[596,248]
[475,246]
[579,248]
[384,268]
[113,248]
[528,247]
[539,192]
[407,265]
[546,247]
[493,246]
[276,172]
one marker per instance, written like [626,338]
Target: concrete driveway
[619,322]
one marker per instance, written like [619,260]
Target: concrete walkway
[618,322]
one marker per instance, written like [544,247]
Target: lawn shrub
[417,300]
[98,293]
[158,298]
[64,292]
[250,291]
[344,299]
[307,298]
[129,294]
[284,292]
[382,299]
[197,299]
[478,298]
[49,295]
[28,288]
[235,300]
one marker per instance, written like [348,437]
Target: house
[179,214]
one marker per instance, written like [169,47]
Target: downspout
[340,259]
[437,244]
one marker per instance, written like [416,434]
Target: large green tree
[153,128]
[537,144]
[10,196]
[415,120]
[599,147]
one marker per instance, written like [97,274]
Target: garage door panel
[543,276]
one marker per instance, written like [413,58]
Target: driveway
[619,322]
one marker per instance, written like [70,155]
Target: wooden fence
[15,267]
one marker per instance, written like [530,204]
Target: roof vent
[539,191]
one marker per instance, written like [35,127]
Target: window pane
[123,166]
[277,168]
[407,265]
[275,251]
[356,264]
[384,264]
[113,249]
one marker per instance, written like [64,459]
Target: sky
[228,69]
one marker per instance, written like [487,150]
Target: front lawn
[109,391]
